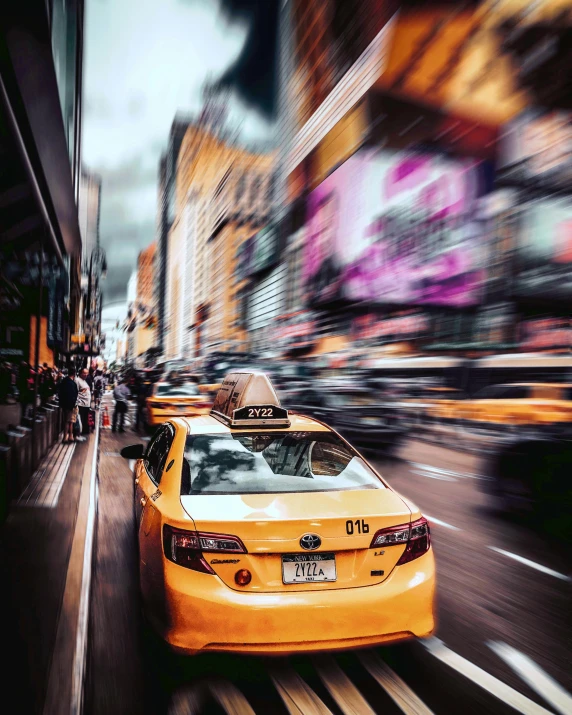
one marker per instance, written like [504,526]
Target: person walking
[83,400]
[98,387]
[67,394]
[142,390]
[121,395]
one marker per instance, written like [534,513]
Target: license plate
[308,568]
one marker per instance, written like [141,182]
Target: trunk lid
[271,526]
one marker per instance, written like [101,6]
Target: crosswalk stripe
[485,680]
[230,698]
[343,691]
[535,677]
[296,694]
[397,689]
[189,700]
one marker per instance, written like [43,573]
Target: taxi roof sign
[247,399]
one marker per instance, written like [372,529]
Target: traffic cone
[106,422]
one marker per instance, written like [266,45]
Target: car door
[149,490]
[150,546]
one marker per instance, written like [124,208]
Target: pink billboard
[396,228]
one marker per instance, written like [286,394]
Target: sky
[146,60]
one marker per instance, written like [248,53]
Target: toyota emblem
[310,542]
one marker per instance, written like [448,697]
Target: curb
[65,687]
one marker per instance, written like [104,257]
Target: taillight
[185,548]
[416,535]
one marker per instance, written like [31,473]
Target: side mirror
[133,451]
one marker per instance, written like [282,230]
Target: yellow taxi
[261,531]
[513,404]
[168,400]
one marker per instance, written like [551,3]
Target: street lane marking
[441,523]
[230,698]
[431,475]
[397,689]
[532,564]
[442,470]
[188,700]
[485,680]
[296,694]
[535,677]
[343,691]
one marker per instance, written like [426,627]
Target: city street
[501,645]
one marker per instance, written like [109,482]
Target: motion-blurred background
[370,200]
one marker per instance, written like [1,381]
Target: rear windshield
[189,389]
[500,392]
[272,462]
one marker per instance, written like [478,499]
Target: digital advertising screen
[396,228]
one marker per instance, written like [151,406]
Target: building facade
[221,200]
[146,277]
[165,216]
[89,210]
[41,50]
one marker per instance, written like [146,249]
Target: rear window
[189,389]
[503,392]
[273,462]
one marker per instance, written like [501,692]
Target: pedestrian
[5,381]
[98,387]
[90,378]
[84,400]
[121,395]
[46,384]
[67,395]
[25,394]
[142,393]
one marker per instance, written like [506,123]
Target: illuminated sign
[354,84]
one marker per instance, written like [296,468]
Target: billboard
[544,250]
[537,149]
[396,228]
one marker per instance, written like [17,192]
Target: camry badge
[310,542]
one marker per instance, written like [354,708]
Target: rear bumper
[200,613]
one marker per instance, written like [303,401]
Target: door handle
[143,501]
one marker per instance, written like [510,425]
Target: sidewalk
[36,550]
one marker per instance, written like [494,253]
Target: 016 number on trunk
[359,526]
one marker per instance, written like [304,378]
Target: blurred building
[93,265]
[165,217]
[89,209]
[41,51]
[113,317]
[395,226]
[145,277]
[222,192]
[141,320]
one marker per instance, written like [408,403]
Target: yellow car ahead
[168,400]
[266,532]
[513,405]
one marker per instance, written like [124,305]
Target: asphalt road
[503,642]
